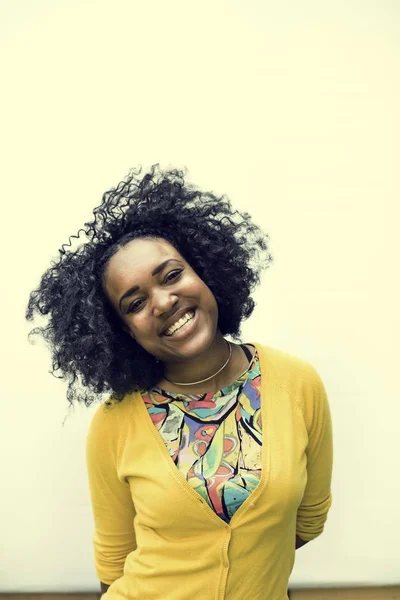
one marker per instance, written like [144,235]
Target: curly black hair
[89,346]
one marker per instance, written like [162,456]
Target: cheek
[139,325]
[209,300]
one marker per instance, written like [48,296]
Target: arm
[317,499]
[111,500]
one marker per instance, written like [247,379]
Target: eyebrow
[157,270]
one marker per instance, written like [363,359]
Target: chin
[191,348]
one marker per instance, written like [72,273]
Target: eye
[134,306]
[173,275]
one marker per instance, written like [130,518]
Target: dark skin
[146,303]
[146,291]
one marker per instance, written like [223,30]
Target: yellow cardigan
[155,538]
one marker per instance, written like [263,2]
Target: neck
[202,366]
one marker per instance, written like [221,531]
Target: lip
[179,335]
[175,317]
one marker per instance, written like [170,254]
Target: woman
[211,461]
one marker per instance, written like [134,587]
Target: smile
[183,326]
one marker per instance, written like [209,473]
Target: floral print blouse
[215,440]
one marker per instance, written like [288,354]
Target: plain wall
[291,109]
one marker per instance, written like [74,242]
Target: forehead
[137,259]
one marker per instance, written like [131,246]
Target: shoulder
[284,364]
[112,409]
[111,420]
[297,376]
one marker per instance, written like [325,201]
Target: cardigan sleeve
[317,499]
[111,500]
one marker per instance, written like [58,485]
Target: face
[152,288]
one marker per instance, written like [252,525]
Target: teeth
[186,317]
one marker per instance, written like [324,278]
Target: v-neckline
[265,452]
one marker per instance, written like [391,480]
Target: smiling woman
[92,336]
[192,492]
[171,313]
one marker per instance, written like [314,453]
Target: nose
[163,302]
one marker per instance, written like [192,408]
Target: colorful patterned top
[215,440]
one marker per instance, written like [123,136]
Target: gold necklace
[211,376]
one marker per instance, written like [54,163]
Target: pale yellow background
[292,109]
